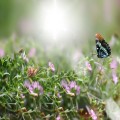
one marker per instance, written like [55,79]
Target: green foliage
[14,72]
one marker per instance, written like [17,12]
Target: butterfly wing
[105,45]
[103,49]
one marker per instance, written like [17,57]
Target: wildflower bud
[88,66]
[58,117]
[22,110]
[23,55]
[51,66]
[32,72]
[92,113]
[34,94]
[71,94]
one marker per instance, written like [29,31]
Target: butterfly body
[103,49]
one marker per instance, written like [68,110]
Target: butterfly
[103,49]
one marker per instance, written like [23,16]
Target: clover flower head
[88,65]
[58,117]
[113,64]
[51,66]
[70,86]
[93,115]
[34,87]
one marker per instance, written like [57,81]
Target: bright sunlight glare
[55,23]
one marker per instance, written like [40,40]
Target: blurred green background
[10,13]
[55,27]
[96,16]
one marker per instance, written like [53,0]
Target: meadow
[50,68]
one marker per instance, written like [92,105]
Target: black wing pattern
[103,49]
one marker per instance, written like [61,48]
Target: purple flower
[93,115]
[115,78]
[113,64]
[58,117]
[65,85]
[88,65]
[51,66]
[70,86]
[34,87]
[32,52]
[67,88]
[2,53]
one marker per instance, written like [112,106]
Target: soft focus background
[63,31]
[64,25]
